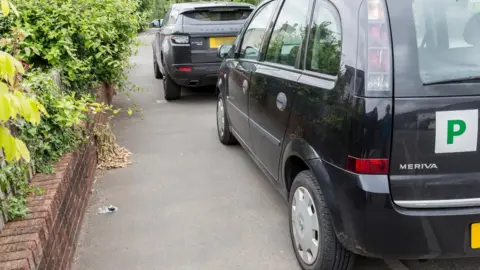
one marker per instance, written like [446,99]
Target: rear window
[217,15]
[448,39]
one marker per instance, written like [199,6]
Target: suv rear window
[448,39]
[216,15]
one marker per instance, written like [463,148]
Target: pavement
[187,201]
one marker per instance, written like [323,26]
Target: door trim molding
[236,108]
[439,203]
[265,133]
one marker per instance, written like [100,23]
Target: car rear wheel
[156,69]
[313,237]
[223,126]
[172,91]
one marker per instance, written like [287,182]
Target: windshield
[217,15]
[448,39]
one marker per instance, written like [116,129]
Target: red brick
[44,202]
[20,230]
[43,197]
[46,238]
[15,265]
[37,252]
[19,255]
[25,223]
[38,215]
[20,238]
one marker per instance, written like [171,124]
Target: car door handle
[245,86]
[281,101]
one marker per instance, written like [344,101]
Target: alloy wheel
[220,117]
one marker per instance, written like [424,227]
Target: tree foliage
[15,103]
[89,41]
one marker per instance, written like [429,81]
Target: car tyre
[156,69]
[172,91]
[223,126]
[321,248]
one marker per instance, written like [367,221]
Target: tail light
[379,48]
[185,69]
[367,165]
[180,39]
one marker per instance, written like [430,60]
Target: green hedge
[90,41]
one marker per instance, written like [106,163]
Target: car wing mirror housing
[157,23]
[224,50]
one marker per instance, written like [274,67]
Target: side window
[172,18]
[325,42]
[288,33]
[253,37]
[167,16]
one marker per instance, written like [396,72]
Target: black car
[364,115]
[185,47]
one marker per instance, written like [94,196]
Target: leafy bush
[90,41]
[62,130]
[13,175]
[15,103]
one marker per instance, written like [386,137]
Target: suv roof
[183,7]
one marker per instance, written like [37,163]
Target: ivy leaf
[14,9]
[15,104]
[34,112]
[9,145]
[9,65]
[22,150]
[26,109]
[17,64]
[5,111]
[35,51]
[4,134]
[5,7]
[3,88]
[41,108]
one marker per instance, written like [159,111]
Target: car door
[273,83]
[241,67]
[166,29]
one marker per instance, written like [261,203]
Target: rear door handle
[245,86]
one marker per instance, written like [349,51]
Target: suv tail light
[379,48]
[180,39]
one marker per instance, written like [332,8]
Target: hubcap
[220,117]
[305,226]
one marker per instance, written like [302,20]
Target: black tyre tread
[156,70]
[337,257]
[228,138]
[172,91]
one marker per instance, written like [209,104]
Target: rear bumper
[201,74]
[367,222]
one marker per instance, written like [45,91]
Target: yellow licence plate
[475,235]
[216,42]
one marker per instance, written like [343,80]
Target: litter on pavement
[107,209]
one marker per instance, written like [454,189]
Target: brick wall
[46,238]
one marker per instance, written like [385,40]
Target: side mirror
[224,50]
[157,23]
